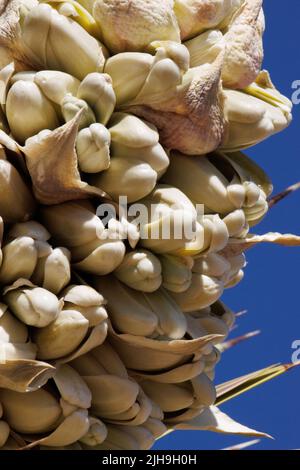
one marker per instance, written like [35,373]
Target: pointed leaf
[243,445]
[234,341]
[283,194]
[213,419]
[237,246]
[236,387]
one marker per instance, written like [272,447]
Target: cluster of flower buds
[111,319]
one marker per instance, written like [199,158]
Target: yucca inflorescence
[111,328]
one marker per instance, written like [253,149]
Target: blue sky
[271,285]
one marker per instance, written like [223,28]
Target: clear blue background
[271,287]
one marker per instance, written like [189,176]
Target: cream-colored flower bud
[31,412]
[170,397]
[72,49]
[70,107]
[53,272]
[131,131]
[255,213]
[264,89]
[26,75]
[211,236]
[132,25]
[170,220]
[28,111]
[236,279]
[107,359]
[137,66]
[134,138]
[11,329]
[54,84]
[31,229]
[102,256]
[171,321]
[215,233]
[203,291]
[237,262]
[253,118]
[19,260]
[204,390]
[62,336]
[205,48]
[176,272]
[87,301]
[106,394]
[127,308]
[92,146]
[212,264]
[252,193]
[165,84]
[211,324]
[202,181]
[34,306]
[97,90]
[96,434]
[235,274]
[141,270]
[72,388]
[76,226]
[16,202]
[132,178]
[14,339]
[73,223]
[31,257]
[58,414]
[235,222]
[238,188]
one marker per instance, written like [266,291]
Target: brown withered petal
[244,51]
[147,354]
[192,121]
[72,428]
[237,246]
[24,375]
[130,25]
[9,18]
[52,164]
[212,419]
